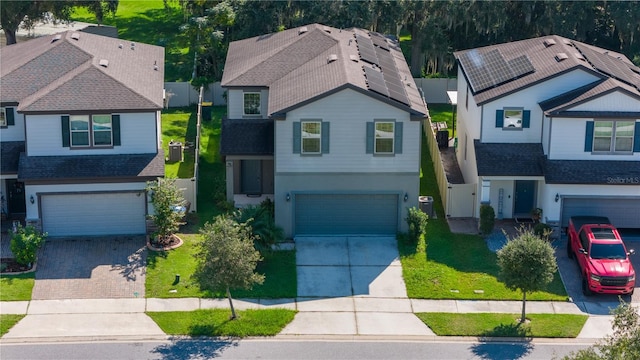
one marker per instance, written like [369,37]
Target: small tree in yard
[25,243]
[624,343]
[166,199]
[417,222]
[226,258]
[526,263]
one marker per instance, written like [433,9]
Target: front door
[524,197]
[16,202]
[251,175]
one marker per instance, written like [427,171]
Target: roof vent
[332,58]
[302,30]
[75,36]
[326,29]
[579,56]
[120,46]
[56,38]
[133,46]
[104,63]
[354,58]
[567,41]
[561,56]
[155,65]
[549,42]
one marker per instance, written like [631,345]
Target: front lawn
[216,322]
[279,268]
[16,287]
[504,325]
[7,321]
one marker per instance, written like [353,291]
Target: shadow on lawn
[193,349]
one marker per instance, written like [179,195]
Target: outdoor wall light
[32,200]
[557,197]
[406,197]
[288,197]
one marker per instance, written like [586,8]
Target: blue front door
[524,197]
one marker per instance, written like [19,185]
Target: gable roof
[66,72]
[498,70]
[303,64]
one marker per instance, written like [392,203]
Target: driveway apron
[91,268]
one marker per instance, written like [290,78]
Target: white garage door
[93,214]
[623,212]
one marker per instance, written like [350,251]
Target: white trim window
[311,136]
[3,116]
[102,130]
[613,136]
[513,118]
[79,127]
[384,137]
[251,103]
[95,130]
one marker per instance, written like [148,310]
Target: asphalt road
[286,349]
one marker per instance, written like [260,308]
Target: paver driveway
[91,268]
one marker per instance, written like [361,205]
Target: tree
[527,263]
[167,200]
[25,243]
[624,343]
[226,258]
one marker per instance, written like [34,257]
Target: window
[311,137]
[86,131]
[384,136]
[3,116]
[613,136]
[252,103]
[102,130]
[512,118]
[79,130]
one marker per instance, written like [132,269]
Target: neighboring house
[550,123]
[80,132]
[326,123]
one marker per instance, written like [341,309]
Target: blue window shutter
[636,138]
[325,137]
[526,119]
[398,138]
[370,137]
[115,127]
[66,133]
[588,137]
[499,118]
[10,119]
[296,137]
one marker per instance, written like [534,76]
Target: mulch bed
[9,266]
[168,243]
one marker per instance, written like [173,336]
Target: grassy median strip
[16,287]
[504,325]
[216,322]
[7,321]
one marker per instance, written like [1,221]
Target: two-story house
[326,123]
[80,131]
[550,123]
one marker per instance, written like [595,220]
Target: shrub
[262,223]
[542,231]
[166,199]
[25,243]
[487,219]
[417,221]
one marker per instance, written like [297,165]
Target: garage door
[326,214]
[623,213]
[93,214]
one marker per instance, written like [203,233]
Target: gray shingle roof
[509,159]
[105,167]
[246,137]
[10,156]
[294,66]
[543,60]
[45,74]
[603,172]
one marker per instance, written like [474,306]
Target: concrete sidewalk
[350,316]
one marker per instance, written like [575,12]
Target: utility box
[426,205]
[175,151]
[442,138]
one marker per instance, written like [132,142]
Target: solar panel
[611,66]
[364,43]
[380,41]
[486,70]
[385,60]
[473,65]
[368,56]
[497,66]
[399,96]
[521,66]
[375,81]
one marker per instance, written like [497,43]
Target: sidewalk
[340,316]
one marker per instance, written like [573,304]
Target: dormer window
[252,103]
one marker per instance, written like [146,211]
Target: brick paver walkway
[91,268]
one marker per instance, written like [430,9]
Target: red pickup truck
[602,256]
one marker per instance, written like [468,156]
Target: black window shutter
[10,119]
[499,118]
[325,137]
[296,137]
[588,137]
[115,128]
[526,119]
[66,133]
[398,138]
[636,138]
[370,137]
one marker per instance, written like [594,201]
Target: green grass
[179,124]
[442,113]
[490,324]
[279,268]
[211,178]
[452,266]
[216,322]
[151,23]
[7,321]
[16,287]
